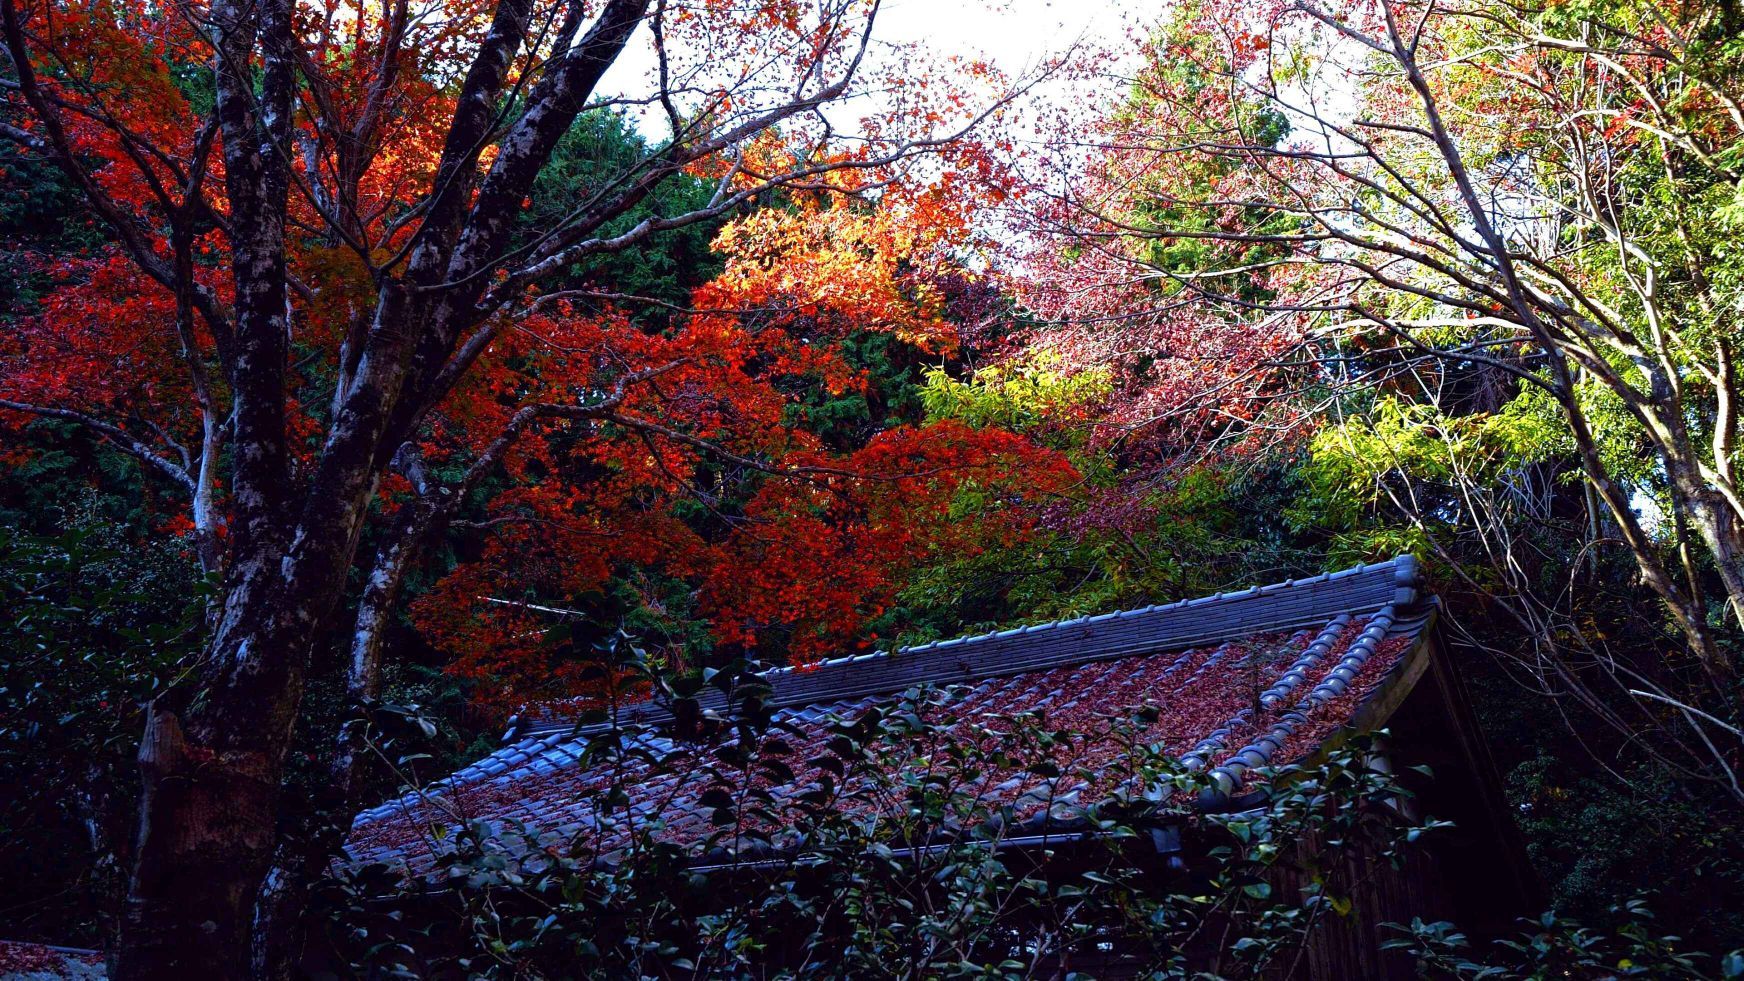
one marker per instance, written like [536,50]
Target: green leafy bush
[1631,946]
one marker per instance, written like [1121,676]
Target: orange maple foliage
[803,545]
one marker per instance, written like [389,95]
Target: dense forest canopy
[374,374]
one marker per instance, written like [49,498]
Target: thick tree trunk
[213,764]
[208,825]
[207,822]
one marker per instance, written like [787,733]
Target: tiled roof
[1313,649]
[40,962]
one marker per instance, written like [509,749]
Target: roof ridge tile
[1198,620]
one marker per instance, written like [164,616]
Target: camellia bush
[900,861]
[1556,946]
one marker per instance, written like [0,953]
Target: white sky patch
[1014,36]
[1648,511]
